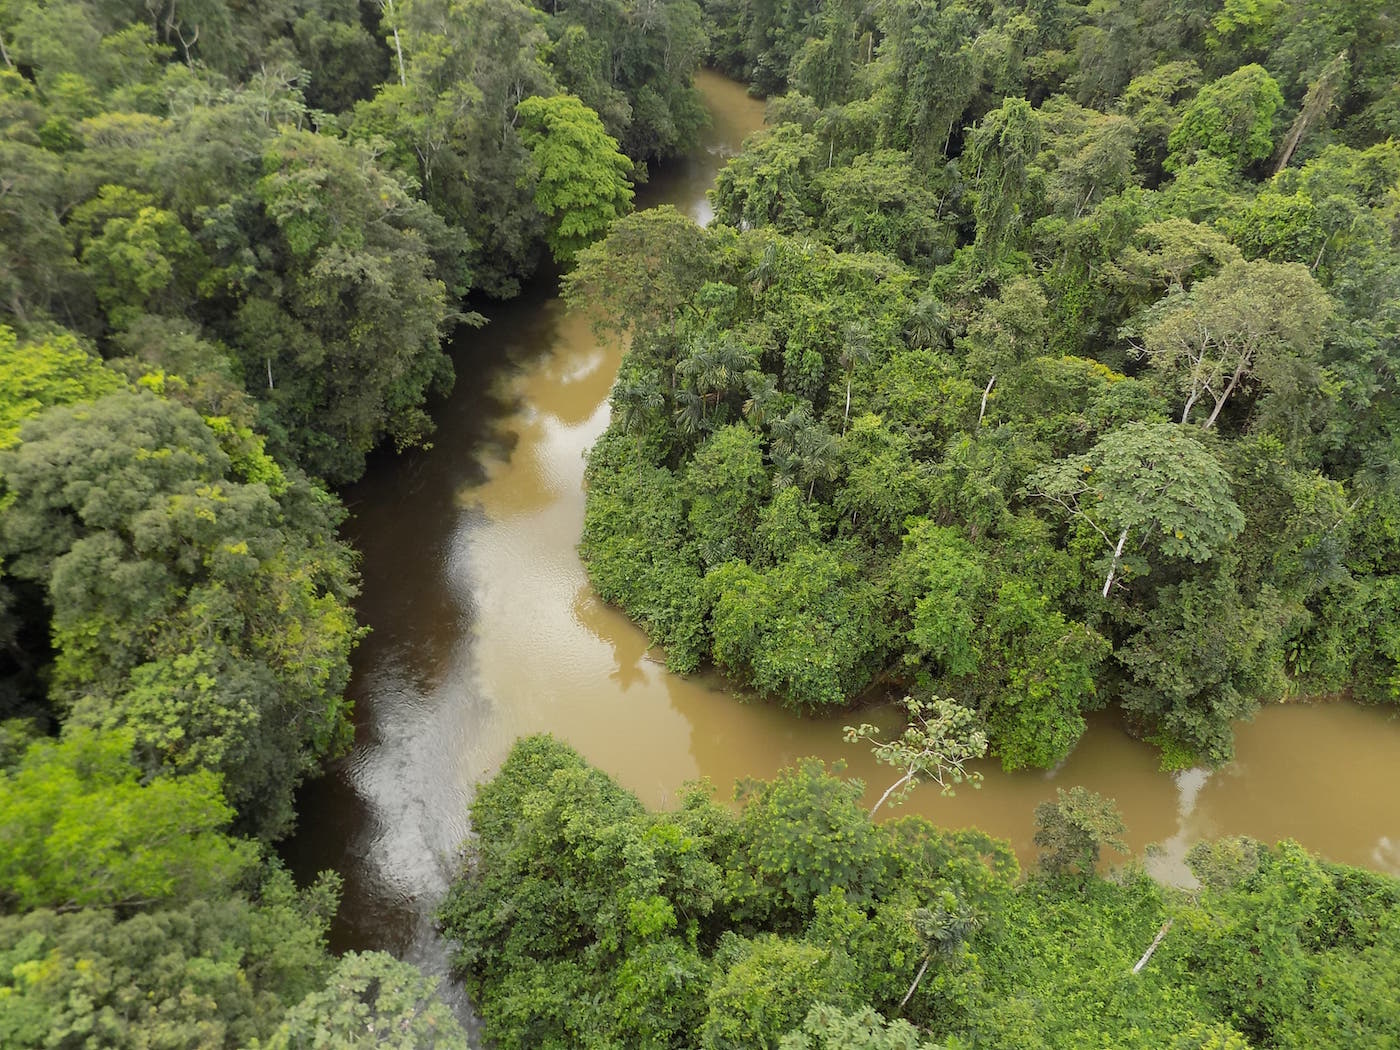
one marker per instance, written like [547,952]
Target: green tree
[1231,119]
[803,631]
[941,738]
[803,834]
[139,256]
[1007,332]
[769,183]
[1087,156]
[1002,148]
[1150,478]
[464,65]
[828,1028]
[1074,829]
[194,607]
[644,274]
[345,345]
[217,971]
[37,375]
[1203,658]
[581,178]
[82,829]
[766,987]
[371,1000]
[1246,324]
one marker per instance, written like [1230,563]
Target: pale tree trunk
[398,47]
[917,978]
[1316,103]
[5,54]
[1190,404]
[891,790]
[1153,946]
[847,418]
[1113,568]
[1220,401]
[985,394]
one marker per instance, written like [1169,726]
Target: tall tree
[1244,325]
[1003,147]
[1153,479]
[580,177]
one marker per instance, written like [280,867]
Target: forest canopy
[795,922]
[1040,355]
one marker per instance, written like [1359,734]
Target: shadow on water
[465,547]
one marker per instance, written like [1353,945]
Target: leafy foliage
[581,183]
[157,842]
[797,923]
[1073,830]
[370,999]
[193,607]
[942,736]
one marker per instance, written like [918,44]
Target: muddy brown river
[485,628]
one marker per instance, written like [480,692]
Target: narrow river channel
[485,628]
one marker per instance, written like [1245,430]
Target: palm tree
[817,458]
[928,324]
[765,271]
[714,371]
[944,928]
[855,350]
[690,412]
[786,428]
[636,402]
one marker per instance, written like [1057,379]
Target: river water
[485,628]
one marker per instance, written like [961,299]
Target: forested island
[1041,356]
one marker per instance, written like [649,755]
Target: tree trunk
[891,790]
[1153,946]
[1113,569]
[1220,401]
[985,395]
[917,978]
[847,418]
[398,47]
[1190,404]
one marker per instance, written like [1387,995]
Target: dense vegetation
[586,921]
[1043,355]
[232,240]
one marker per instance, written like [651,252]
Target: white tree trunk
[891,790]
[985,395]
[1113,569]
[917,978]
[398,47]
[1229,389]
[1153,946]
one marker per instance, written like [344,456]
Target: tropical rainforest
[1042,356]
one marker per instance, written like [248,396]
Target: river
[485,628]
